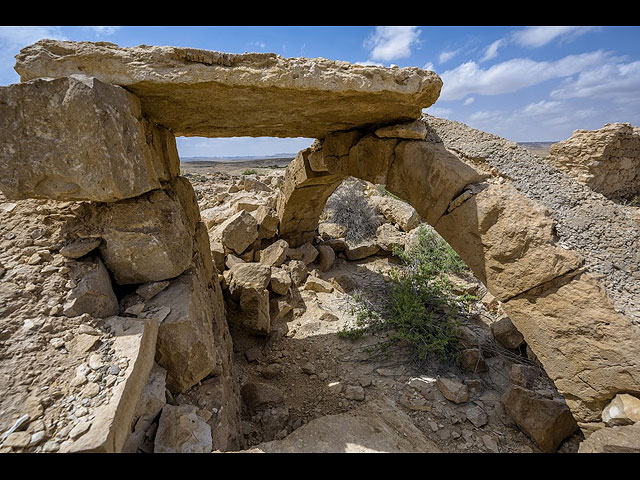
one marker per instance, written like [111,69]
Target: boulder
[316,284]
[389,238]
[306,253]
[412,130]
[453,390]
[275,254]
[79,138]
[181,430]
[397,211]
[506,334]
[620,439]
[280,281]
[248,287]
[268,221]
[196,92]
[326,257]
[361,249]
[93,293]
[144,238]
[186,345]
[547,421]
[237,232]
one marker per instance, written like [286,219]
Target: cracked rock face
[213,94]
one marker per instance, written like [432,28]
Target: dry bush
[348,206]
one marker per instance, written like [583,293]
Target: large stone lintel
[213,94]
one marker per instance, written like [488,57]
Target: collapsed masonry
[95,122]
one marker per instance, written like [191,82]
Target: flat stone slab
[212,94]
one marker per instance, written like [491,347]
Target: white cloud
[513,75]
[428,66]
[445,56]
[104,31]
[534,37]
[543,107]
[258,44]
[469,101]
[617,82]
[492,50]
[391,43]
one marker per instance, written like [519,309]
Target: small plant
[420,311]
[383,192]
[249,171]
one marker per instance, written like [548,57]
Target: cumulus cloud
[492,50]
[391,43]
[617,82]
[534,37]
[513,75]
[469,101]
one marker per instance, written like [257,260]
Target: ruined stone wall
[607,159]
[142,252]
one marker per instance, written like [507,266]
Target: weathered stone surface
[144,238]
[389,237]
[397,211]
[506,334]
[428,176]
[624,409]
[280,281]
[316,284]
[181,430]
[256,395]
[237,232]
[587,349]
[186,344]
[135,339]
[471,359]
[326,257]
[507,240]
[274,254]
[248,287]
[306,253]
[607,159]
[375,427]
[78,138]
[412,130]
[547,422]
[368,159]
[149,406]
[621,439]
[268,221]
[302,199]
[93,293]
[362,249]
[298,271]
[213,94]
[217,254]
[453,390]
[79,248]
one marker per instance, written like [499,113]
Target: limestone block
[144,238]
[397,211]
[186,343]
[274,254]
[78,138]
[149,406]
[306,253]
[413,130]
[548,422]
[280,281]
[362,249]
[93,293]
[388,237]
[621,439]
[135,339]
[587,348]
[237,232]
[507,240]
[182,430]
[428,177]
[624,409]
[326,257]
[212,94]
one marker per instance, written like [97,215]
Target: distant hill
[245,158]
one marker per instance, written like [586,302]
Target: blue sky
[522,83]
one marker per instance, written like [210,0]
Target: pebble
[354,392]
[95,362]
[114,370]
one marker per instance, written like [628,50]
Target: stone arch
[508,240]
[137,99]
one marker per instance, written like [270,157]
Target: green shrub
[249,171]
[420,310]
